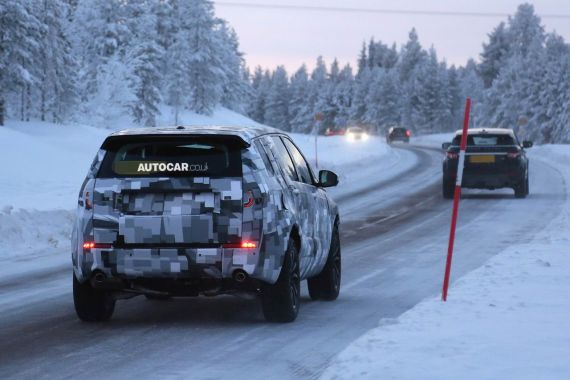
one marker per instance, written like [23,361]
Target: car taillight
[513,154]
[250,201]
[89,245]
[452,155]
[408,133]
[246,244]
[88,204]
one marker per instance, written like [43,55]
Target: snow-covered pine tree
[494,54]
[300,113]
[411,56]
[429,107]
[360,101]
[471,85]
[145,76]
[98,37]
[277,106]
[204,56]
[323,90]
[385,100]
[342,96]
[260,85]
[454,98]
[391,56]
[19,35]
[235,88]
[318,95]
[58,73]
[524,28]
[362,59]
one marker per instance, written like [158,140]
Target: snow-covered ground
[507,319]
[44,164]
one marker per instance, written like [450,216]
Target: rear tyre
[92,305]
[521,190]
[280,301]
[153,297]
[326,285]
[448,188]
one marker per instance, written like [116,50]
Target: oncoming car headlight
[350,136]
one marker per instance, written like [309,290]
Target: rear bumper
[399,138]
[194,264]
[490,181]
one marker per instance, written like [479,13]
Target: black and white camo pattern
[175,227]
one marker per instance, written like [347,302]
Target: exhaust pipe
[98,280]
[240,276]
[99,277]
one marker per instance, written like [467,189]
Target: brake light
[408,133]
[89,245]
[452,155]
[246,244]
[514,154]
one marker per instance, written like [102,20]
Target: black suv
[494,159]
[398,134]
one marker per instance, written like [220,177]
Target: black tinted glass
[485,140]
[171,157]
[302,167]
[282,156]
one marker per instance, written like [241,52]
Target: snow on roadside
[507,319]
[44,164]
[434,140]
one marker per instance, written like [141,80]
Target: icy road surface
[394,234]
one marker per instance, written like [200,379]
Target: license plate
[482,159]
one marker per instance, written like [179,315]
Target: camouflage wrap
[180,227]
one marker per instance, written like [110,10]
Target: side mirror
[445,146]
[527,144]
[327,178]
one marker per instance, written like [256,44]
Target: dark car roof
[246,133]
[495,131]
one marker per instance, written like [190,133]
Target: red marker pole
[456,197]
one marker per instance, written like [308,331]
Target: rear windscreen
[485,140]
[171,157]
[399,131]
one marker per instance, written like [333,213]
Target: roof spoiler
[113,140]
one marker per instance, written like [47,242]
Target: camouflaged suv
[185,211]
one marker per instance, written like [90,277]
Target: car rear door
[169,192]
[317,213]
[490,154]
[297,199]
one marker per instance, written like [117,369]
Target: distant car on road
[494,159]
[204,210]
[356,134]
[335,132]
[398,134]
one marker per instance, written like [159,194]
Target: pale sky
[270,37]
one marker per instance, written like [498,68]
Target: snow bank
[44,164]
[434,140]
[507,319]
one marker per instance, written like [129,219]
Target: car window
[486,140]
[264,156]
[302,167]
[284,159]
[170,157]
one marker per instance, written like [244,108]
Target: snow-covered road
[394,234]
